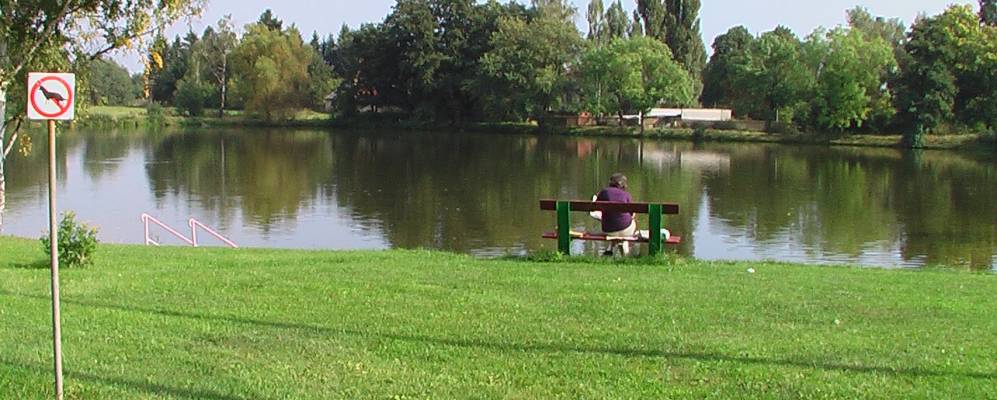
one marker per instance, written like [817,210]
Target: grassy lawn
[181,323]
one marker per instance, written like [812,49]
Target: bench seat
[673,240]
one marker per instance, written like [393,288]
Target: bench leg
[654,222]
[564,227]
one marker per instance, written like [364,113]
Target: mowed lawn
[182,323]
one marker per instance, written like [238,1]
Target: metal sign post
[51,97]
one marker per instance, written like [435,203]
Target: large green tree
[55,34]
[527,67]
[676,23]
[729,55]
[634,75]
[776,73]
[947,75]
[270,71]
[617,24]
[851,79]
[110,84]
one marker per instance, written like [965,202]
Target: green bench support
[564,208]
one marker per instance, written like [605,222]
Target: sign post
[51,97]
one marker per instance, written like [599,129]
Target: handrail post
[564,227]
[193,231]
[654,222]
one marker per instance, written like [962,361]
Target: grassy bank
[269,324]
[962,141]
[117,116]
[137,117]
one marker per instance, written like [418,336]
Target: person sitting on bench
[616,223]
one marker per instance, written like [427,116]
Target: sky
[328,16]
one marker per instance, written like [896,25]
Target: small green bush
[77,242]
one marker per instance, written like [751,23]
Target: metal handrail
[193,233]
[146,218]
[192,223]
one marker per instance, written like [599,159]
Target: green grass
[181,323]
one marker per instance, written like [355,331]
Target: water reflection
[478,193]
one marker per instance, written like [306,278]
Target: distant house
[673,116]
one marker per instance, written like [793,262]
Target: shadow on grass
[539,348]
[148,387]
[40,264]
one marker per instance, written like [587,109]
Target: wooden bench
[564,234]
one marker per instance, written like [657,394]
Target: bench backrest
[611,206]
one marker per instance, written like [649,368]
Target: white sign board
[51,96]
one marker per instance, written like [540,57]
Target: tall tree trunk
[3,141]
[221,108]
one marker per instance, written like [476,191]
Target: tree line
[457,61]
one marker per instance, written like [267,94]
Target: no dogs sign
[51,96]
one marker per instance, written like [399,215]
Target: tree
[851,83]
[109,84]
[214,51]
[270,70]
[617,24]
[676,23]
[634,74]
[270,21]
[47,34]
[527,65]
[729,55]
[948,75]
[596,20]
[988,12]
[775,72]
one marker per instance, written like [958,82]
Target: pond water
[478,193]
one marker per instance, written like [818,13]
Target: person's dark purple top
[615,221]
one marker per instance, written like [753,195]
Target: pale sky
[326,17]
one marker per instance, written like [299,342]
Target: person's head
[618,180]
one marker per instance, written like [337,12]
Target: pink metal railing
[193,233]
[192,223]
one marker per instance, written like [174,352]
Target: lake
[478,193]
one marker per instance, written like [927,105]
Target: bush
[77,242]
[155,114]
[191,97]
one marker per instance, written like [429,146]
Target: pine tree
[676,23]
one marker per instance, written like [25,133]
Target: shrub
[155,114]
[191,97]
[77,242]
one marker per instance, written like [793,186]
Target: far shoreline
[125,117]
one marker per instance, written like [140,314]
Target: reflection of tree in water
[842,200]
[101,155]
[946,204]
[30,172]
[269,176]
